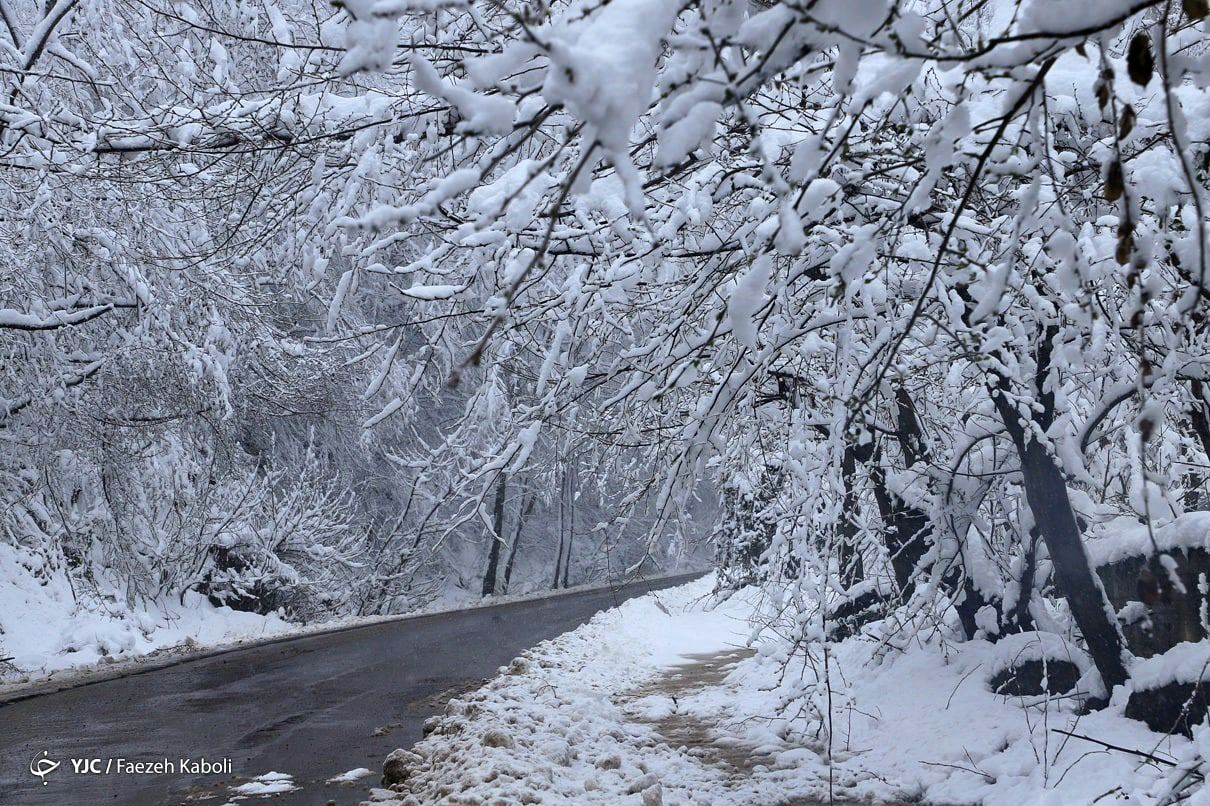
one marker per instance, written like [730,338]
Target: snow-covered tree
[931,276]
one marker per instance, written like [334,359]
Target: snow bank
[48,626]
[922,724]
[551,727]
[352,776]
[574,721]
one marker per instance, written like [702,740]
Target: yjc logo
[43,766]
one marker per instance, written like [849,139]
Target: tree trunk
[849,554]
[908,529]
[497,537]
[1046,493]
[1199,413]
[527,506]
[562,527]
[571,523]
[1021,619]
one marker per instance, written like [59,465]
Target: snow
[270,783]
[1057,18]
[351,776]
[746,299]
[575,720]
[1013,650]
[429,293]
[681,137]
[1187,662]
[1124,537]
[369,37]
[24,321]
[441,190]
[479,113]
[604,70]
[516,194]
[47,627]
[548,727]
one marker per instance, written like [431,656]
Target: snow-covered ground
[48,628]
[633,707]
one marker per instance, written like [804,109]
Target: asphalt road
[312,707]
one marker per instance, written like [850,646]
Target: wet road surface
[313,707]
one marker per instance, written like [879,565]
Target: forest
[894,311]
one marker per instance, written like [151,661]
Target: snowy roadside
[658,702]
[552,728]
[64,649]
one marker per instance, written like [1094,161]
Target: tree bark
[527,507]
[908,528]
[1021,619]
[849,554]
[493,557]
[1199,413]
[562,528]
[571,523]
[1046,493]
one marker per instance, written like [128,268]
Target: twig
[973,771]
[1140,753]
[960,682]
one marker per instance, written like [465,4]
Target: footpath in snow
[673,698]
